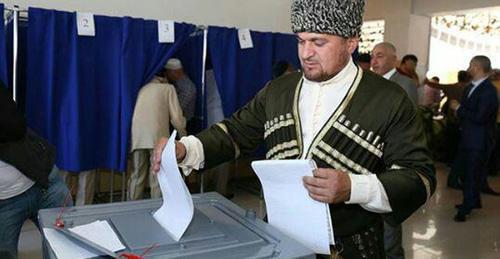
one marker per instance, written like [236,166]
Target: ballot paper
[63,247]
[99,232]
[177,209]
[289,206]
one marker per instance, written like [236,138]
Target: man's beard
[319,77]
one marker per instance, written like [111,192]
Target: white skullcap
[173,64]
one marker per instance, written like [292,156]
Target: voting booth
[219,229]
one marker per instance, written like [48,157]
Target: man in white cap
[156,107]
[185,88]
[361,130]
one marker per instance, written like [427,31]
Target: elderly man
[360,129]
[156,108]
[185,88]
[383,62]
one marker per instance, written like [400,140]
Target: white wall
[419,41]
[262,15]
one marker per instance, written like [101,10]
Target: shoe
[460,217]
[477,206]
[490,191]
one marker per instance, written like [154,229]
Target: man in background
[383,62]
[408,67]
[185,88]
[477,113]
[364,61]
[156,107]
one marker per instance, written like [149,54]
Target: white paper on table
[65,248]
[290,208]
[177,209]
[100,232]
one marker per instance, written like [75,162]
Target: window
[455,39]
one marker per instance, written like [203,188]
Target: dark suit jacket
[477,115]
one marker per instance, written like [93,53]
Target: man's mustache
[310,60]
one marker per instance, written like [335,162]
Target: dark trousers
[474,175]
[393,241]
[494,162]
[452,138]
[456,175]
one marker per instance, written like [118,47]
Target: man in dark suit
[477,114]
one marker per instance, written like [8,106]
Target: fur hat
[338,17]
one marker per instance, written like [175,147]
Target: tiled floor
[430,233]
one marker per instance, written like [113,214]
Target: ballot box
[219,229]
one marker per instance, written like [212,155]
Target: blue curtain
[81,91]
[3,51]
[285,48]
[241,73]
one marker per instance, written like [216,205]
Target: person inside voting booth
[156,108]
[185,88]
[362,131]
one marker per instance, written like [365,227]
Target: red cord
[147,250]
[59,223]
[134,256]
